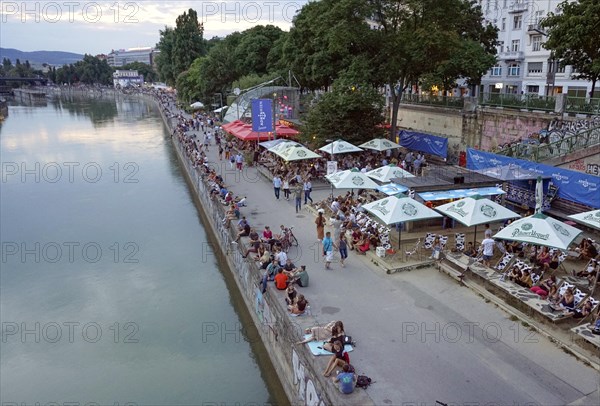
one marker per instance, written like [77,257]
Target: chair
[429,239]
[414,251]
[459,241]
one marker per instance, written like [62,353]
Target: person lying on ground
[319,333]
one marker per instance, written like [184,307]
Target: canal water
[110,292]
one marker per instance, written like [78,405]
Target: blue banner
[574,186]
[430,144]
[262,115]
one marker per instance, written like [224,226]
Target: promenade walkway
[421,336]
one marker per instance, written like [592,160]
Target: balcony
[535,29]
[511,56]
[518,6]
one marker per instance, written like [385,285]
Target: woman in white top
[286,189]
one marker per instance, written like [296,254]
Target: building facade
[127,78]
[523,65]
[122,57]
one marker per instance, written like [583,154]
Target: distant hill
[57,58]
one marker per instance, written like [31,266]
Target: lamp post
[274,115]
[331,158]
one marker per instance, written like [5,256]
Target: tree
[423,37]
[180,46]
[352,111]
[92,70]
[574,38]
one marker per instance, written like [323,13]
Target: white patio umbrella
[540,229]
[379,144]
[475,210]
[339,147]
[197,105]
[394,209]
[589,218]
[297,153]
[351,179]
[388,172]
[272,143]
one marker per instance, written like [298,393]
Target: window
[517,22]
[497,70]
[539,16]
[536,43]
[535,67]
[533,89]
[504,24]
[577,91]
[515,45]
[514,69]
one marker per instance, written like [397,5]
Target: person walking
[307,191]
[328,250]
[298,196]
[286,188]
[239,161]
[277,185]
[320,222]
[342,247]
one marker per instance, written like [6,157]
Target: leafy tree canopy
[574,37]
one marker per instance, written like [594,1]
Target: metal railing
[518,101]
[564,146]
[434,100]
[582,105]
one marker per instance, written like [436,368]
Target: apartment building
[121,57]
[523,65]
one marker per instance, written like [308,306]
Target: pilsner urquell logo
[524,231]
[358,181]
[380,207]
[457,208]
[409,209]
[488,211]
[593,217]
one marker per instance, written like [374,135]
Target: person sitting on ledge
[244,232]
[363,246]
[281,280]
[337,359]
[346,380]
[470,250]
[299,307]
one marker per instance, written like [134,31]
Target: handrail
[566,145]
[434,100]
[518,101]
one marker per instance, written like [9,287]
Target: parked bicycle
[288,240]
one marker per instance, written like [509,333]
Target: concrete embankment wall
[276,329]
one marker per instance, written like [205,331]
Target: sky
[96,27]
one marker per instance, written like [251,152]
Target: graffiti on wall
[560,129]
[307,392]
[587,165]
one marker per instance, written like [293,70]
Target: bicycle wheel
[294,240]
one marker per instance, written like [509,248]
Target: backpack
[363,381]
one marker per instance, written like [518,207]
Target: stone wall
[300,377]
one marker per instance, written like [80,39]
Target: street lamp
[331,159]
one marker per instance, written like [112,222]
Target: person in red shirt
[281,280]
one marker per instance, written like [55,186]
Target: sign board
[262,115]
[331,167]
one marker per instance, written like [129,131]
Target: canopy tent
[399,209]
[509,172]
[339,147]
[430,144]
[392,189]
[387,172]
[197,105]
[244,131]
[540,229]
[460,193]
[297,153]
[472,211]
[589,218]
[379,144]
[351,179]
